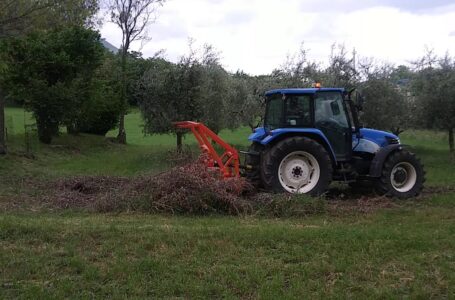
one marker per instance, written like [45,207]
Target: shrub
[46,68]
[101,112]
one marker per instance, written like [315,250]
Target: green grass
[16,119]
[432,148]
[134,128]
[92,155]
[405,253]
[400,252]
[135,135]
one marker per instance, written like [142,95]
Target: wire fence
[21,131]
[30,139]
[9,129]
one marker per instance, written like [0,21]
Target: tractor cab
[322,112]
[327,114]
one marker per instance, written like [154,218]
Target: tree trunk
[121,137]
[45,132]
[451,146]
[3,148]
[72,129]
[179,141]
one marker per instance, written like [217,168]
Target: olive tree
[169,93]
[341,71]
[245,105]
[214,95]
[434,89]
[387,105]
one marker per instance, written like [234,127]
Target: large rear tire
[402,175]
[253,165]
[297,165]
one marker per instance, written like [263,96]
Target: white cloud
[256,35]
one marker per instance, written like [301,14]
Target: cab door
[330,117]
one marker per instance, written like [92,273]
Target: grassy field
[91,155]
[404,251]
[395,254]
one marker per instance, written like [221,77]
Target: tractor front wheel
[297,165]
[402,175]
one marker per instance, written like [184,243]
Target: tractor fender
[380,157]
[276,135]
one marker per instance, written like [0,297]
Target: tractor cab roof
[303,91]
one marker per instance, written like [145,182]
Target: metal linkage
[228,163]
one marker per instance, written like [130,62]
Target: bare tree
[133,18]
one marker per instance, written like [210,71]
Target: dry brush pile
[189,189]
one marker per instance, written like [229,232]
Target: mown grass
[405,253]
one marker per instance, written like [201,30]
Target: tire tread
[384,186]
[272,159]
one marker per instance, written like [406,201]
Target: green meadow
[405,250]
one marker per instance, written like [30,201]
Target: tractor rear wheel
[402,175]
[253,165]
[297,165]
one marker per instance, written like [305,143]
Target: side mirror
[358,99]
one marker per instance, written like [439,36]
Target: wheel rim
[403,177]
[299,172]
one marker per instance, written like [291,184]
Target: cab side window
[274,113]
[297,111]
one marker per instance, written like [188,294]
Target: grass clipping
[188,189]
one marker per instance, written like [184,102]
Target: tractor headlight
[392,141]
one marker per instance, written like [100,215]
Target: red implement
[228,163]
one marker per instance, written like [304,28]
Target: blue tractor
[312,136]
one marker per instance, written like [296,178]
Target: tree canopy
[50,72]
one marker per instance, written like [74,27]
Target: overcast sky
[256,35]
